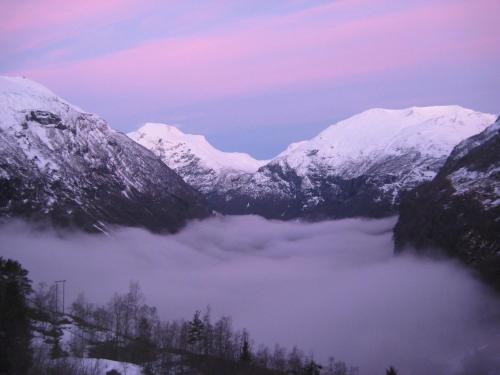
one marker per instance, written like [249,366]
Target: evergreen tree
[391,371]
[195,331]
[56,349]
[208,335]
[245,354]
[312,368]
[15,324]
[143,345]
[295,361]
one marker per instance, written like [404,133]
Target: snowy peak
[24,88]
[21,94]
[154,130]
[365,137]
[65,166]
[178,150]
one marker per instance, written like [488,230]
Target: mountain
[61,164]
[191,156]
[357,167]
[458,211]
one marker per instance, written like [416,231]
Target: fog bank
[332,288]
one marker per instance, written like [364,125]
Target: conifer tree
[245,354]
[15,324]
[195,331]
[312,368]
[56,349]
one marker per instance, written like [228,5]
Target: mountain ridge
[62,165]
[363,161]
[60,158]
[459,210]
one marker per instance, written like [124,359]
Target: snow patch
[485,185]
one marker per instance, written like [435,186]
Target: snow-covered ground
[97,366]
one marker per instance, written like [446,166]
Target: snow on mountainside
[356,167]
[168,140]
[480,175]
[351,147]
[459,210]
[62,164]
[406,146]
[196,160]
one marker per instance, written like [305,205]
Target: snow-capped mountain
[60,163]
[197,161]
[356,167]
[459,210]
[355,146]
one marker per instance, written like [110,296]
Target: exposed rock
[45,118]
[61,165]
[459,211]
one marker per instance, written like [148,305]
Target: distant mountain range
[357,167]
[62,165]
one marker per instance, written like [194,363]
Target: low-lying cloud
[332,288]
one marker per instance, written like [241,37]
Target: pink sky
[176,54]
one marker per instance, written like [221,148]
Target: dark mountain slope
[459,211]
[62,165]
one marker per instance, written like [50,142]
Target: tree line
[127,329]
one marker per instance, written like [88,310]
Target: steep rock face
[459,211]
[60,163]
[357,167]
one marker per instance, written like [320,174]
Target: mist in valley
[332,288]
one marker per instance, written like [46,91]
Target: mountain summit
[197,161]
[63,165]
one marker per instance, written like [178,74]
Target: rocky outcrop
[458,212]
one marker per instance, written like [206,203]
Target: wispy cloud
[306,47]
[29,24]
[254,64]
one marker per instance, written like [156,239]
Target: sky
[255,75]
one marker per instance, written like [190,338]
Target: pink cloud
[31,24]
[22,15]
[305,48]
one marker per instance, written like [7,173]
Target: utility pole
[57,297]
[63,282]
